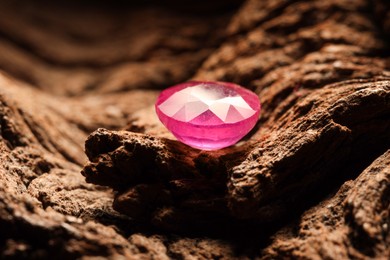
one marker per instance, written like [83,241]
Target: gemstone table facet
[208,115]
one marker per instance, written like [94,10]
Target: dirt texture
[87,170]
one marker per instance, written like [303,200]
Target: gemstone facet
[208,115]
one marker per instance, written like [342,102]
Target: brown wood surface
[86,168]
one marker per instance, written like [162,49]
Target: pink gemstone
[208,115]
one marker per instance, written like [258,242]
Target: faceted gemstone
[208,115]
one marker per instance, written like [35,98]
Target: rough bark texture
[312,180]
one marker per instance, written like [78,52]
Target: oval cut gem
[208,115]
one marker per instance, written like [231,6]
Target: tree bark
[86,168]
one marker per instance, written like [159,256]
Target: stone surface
[310,181]
[208,115]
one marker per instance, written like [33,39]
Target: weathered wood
[312,180]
